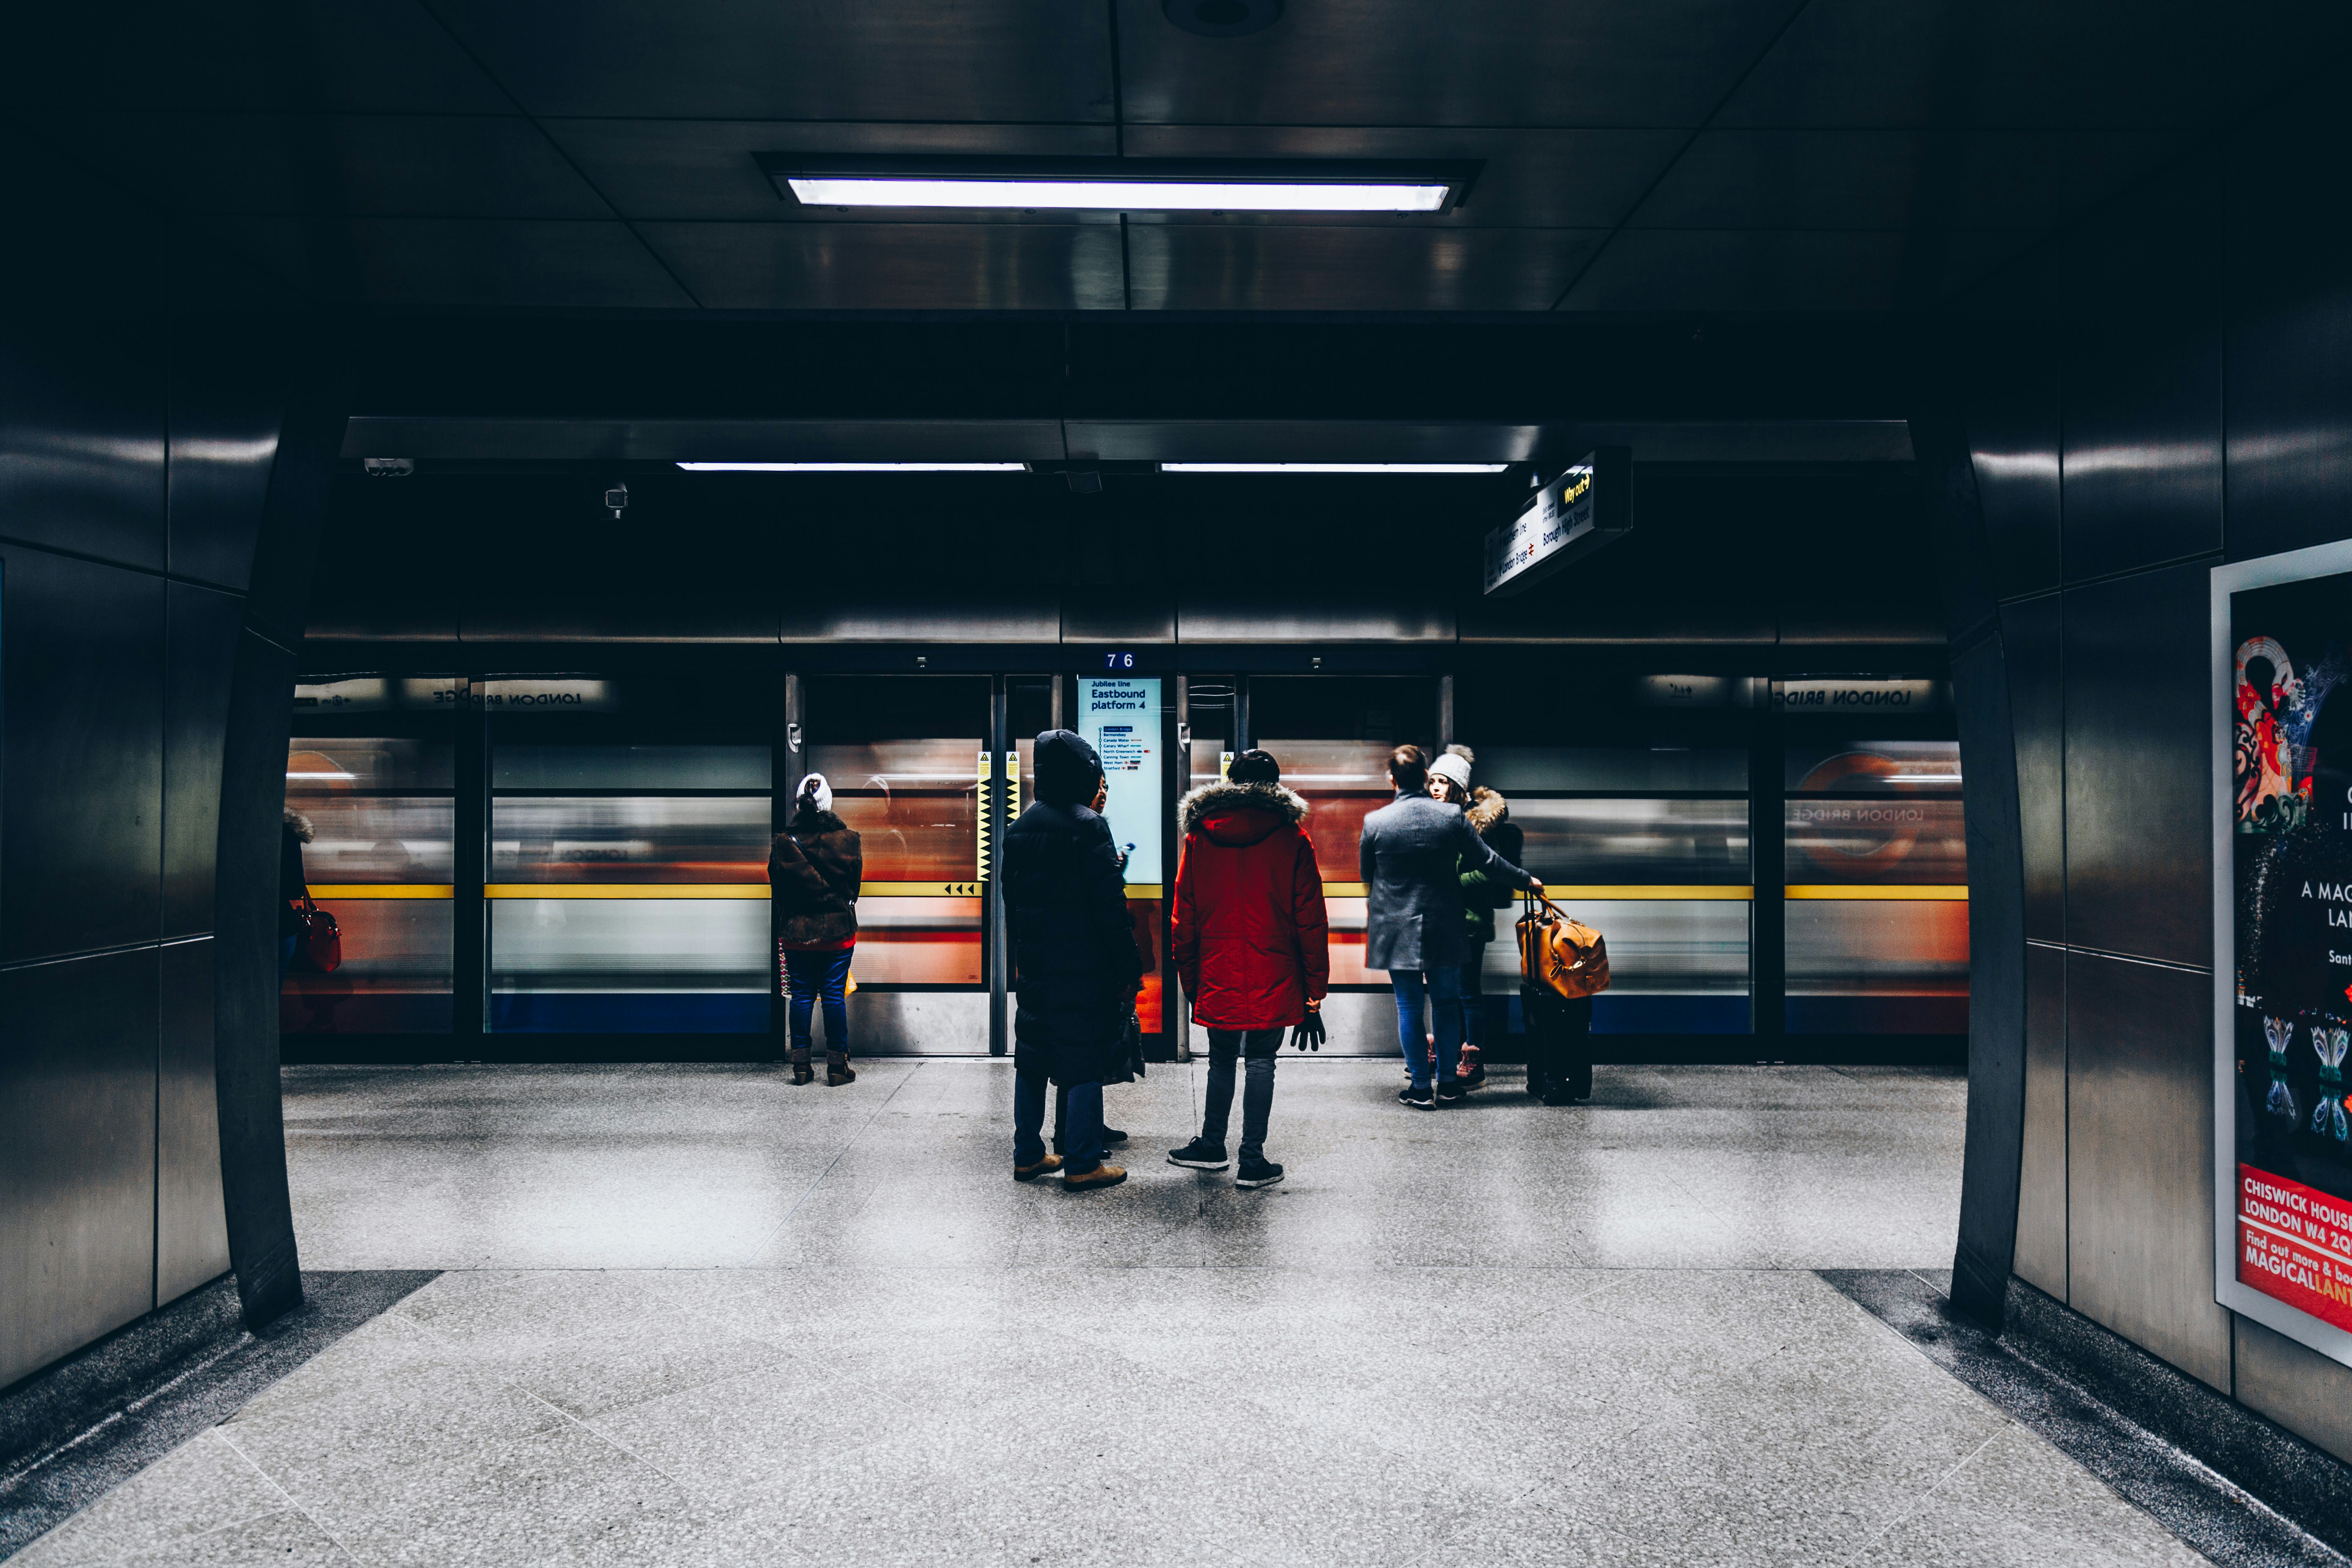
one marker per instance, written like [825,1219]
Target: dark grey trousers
[1260,1048]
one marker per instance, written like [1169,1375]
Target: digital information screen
[2283,942]
[1120,720]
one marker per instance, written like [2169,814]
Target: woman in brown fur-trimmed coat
[1490,814]
[814,867]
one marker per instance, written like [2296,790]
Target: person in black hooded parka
[1076,968]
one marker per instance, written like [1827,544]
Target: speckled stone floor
[693,1315]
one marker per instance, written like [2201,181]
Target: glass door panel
[1649,846]
[1876,877]
[381,860]
[627,888]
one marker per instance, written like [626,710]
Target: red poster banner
[2294,1243]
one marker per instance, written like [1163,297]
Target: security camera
[618,498]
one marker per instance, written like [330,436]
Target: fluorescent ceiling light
[1116,196]
[856,467]
[1118,184]
[1333,468]
[323,775]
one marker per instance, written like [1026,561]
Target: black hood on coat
[1224,796]
[1067,769]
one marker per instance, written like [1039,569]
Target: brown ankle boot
[801,1071]
[1087,1181]
[836,1069]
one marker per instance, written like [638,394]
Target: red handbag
[321,944]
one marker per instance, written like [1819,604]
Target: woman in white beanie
[814,867]
[1490,814]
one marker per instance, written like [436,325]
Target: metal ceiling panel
[895,266]
[494,439]
[386,56]
[704,169]
[1232,267]
[1299,441]
[1789,179]
[2027,64]
[1743,269]
[797,59]
[456,261]
[373,164]
[1503,62]
[1532,179]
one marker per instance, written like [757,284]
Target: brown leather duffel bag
[1565,958]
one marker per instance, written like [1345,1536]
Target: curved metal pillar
[1996,1121]
[253,789]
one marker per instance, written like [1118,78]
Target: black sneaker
[1416,1094]
[1200,1154]
[1453,1092]
[1113,1137]
[1257,1174]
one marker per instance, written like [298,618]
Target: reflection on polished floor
[693,1315]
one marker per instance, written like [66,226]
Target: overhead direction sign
[1586,507]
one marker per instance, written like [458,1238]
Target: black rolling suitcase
[1559,1045]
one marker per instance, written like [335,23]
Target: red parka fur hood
[1250,939]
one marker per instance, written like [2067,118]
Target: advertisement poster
[2283,964]
[1120,720]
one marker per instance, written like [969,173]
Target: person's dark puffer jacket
[1252,944]
[814,867]
[1076,968]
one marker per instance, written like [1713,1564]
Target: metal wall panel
[2013,423]
[2143,382]
[2041,1257]
[2289,419]
[82,412]
[84,710]
[76,1155]
[1203,619]
[200,643]
[1030,617]
[2139,1169]
[1126,617]
[191,1226]
[2300,1389]
[2137,839]
[2031,634]
[227,400]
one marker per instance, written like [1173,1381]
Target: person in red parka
[1251,945]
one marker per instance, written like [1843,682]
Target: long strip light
[1333,468]
[1117,196]
[1118,184]
[856,467]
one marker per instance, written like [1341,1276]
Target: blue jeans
[1442,987]
[1082,1143]
[286,948]
[812,976]
[1474,998]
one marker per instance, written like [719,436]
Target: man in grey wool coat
[1413,855]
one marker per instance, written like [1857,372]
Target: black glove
[1308,1035]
